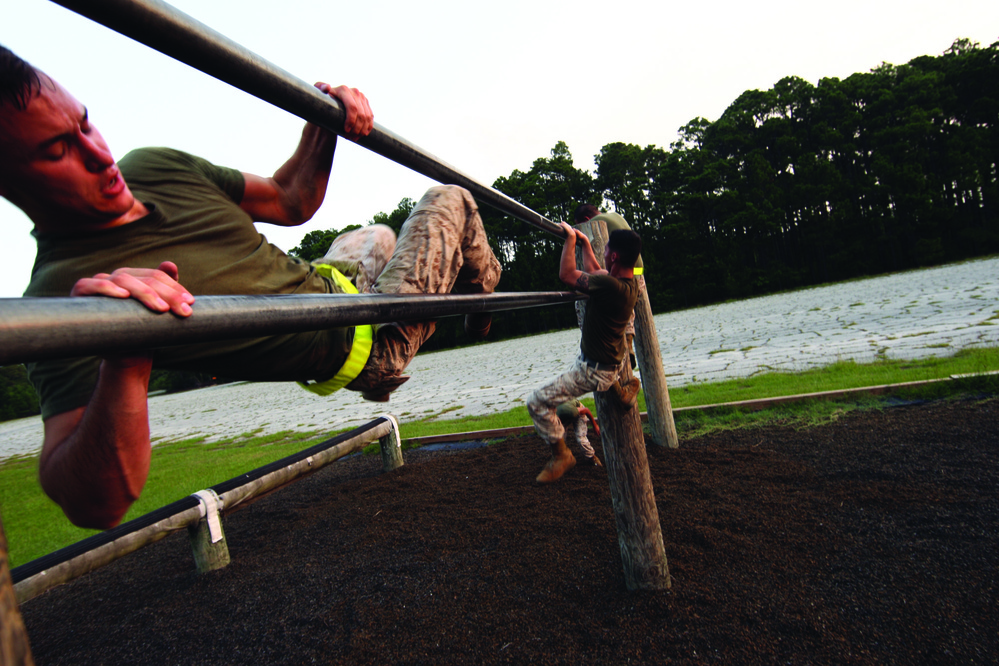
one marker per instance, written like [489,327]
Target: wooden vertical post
[662,427]
[391,447]
[14,647]
[639,533]
[207,537]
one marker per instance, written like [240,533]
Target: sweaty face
[56,167]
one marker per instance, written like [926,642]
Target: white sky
[488,88]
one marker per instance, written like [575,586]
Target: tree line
[794,186]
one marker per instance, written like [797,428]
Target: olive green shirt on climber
[194,221]
[608,310]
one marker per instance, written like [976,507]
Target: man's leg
[362,254]
[584,442]
[442,248]
[542,403]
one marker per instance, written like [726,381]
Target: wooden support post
[662,427]
[391,447]
[14,647]
[207,537]
[639,533]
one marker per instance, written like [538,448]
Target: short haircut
[19,81]
[628,246]
[584,212]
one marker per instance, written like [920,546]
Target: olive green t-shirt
[611,302]
[194,221]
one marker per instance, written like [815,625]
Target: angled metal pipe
[38,329]
[172,32]
[35,577]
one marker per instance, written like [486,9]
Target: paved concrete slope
[907,315]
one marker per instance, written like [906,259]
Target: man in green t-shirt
[135,229]
[614,221]
[612,294]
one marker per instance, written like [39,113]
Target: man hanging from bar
[614,221]
[612,295]
[163,226]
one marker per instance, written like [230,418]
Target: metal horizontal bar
[172,32]
[38,329]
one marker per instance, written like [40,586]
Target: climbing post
[391,446]
[662,427]
[14,647]
[639,532]
[207,538]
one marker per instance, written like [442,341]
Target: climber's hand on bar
[157,289]
[359,119]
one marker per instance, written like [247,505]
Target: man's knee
[447,197]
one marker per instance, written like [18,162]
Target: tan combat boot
[561,462]
[628,395]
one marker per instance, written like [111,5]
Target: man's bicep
[262,200]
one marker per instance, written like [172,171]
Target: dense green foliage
[17,397]
[793,186]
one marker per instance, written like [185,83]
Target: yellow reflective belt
[359,350]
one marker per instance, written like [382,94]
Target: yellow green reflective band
[359,350]
[639,270]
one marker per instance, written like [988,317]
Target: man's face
[56,167]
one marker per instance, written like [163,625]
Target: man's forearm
[567,262]
[95,462]
[590,262]
[304,177]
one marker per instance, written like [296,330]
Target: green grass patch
[36,526]
[841,375]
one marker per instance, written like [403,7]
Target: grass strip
[35,526]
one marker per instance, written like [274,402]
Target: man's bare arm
[568,273]
[296,190]
[95,459]
[590,263]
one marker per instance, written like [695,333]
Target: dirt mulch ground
[872,540]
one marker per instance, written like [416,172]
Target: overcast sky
[487,87]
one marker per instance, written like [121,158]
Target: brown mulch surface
[871,540]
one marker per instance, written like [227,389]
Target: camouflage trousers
[579,426]
[578,380]
[442,248]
